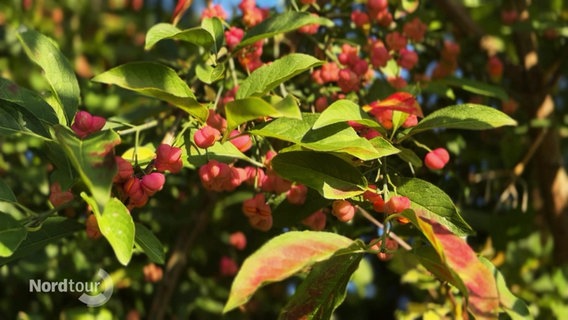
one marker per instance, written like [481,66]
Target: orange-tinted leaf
[399,101]
[280,258]
[462,261]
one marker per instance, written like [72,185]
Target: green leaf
[57,70]
[214,26]
[515,307]
[476,87]
[29,100]
[432,203]
[6,193]
[157,81]
[338,137]
[116,226]
[280,23]
[342,111]
[221,151]
[198,35]
[210,74]
[269,76]
[280,258]
[287,214]
[252,108]
[63,171]
[153,248]
[12,233]
[93,158]
[465,116]
[17,120]
[51,230]
[408,155]
[324,288]
[384,147]
[331,176]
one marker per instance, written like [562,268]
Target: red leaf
[480,283]
[280,258]
[399,101]
[454,251]
[181,8]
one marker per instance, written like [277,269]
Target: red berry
[92,227]
[206,137]
[125,170]
[152,183]
[437,159]
[228,267]
[233,37]
[396,204]
[256,206]
[238,240]
[316,221]
[262,223]
[243,142]
[152,273]
[297,194]
[343,210]
[168,158]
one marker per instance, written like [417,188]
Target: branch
[459,16]
[178,260]
[391,234]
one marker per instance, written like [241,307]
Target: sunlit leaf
[117,226]
[269,76]
[161,31]
[157,81]
[515,307]
[465,116]
[337,137]
[457,255]
[281,23]
[280,258]
[57,70]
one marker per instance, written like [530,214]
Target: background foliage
[509,183]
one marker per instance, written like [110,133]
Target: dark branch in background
[458,15]
[177,261]
[535,88]
[532,86]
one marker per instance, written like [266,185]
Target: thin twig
[391,234]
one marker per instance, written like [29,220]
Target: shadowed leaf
[324,288]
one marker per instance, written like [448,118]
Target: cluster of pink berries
[354,73]
[135,190]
